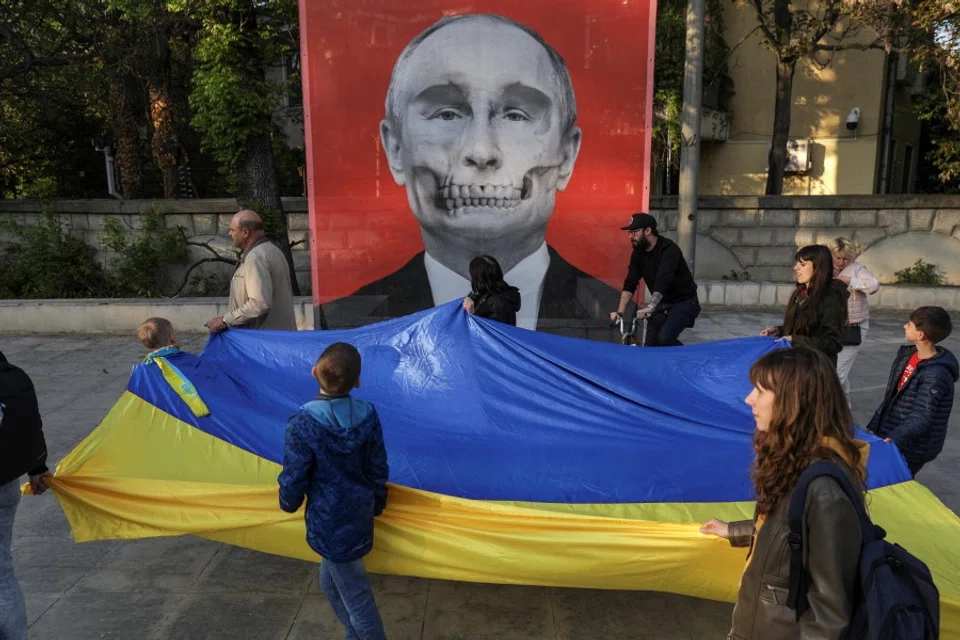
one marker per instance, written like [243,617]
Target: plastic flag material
[515,457]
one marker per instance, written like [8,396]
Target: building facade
[879,155]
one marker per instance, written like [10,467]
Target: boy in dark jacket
[334,455]
[919,396]
[22,450]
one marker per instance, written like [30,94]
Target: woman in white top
[860,282]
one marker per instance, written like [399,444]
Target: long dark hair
[486,276]
[810,296]
[808,406]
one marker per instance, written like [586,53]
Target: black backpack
[894,599]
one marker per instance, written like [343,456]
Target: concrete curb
[189,314]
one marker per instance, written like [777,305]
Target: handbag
[852,335]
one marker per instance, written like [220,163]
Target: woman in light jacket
[801,417]
[860,282]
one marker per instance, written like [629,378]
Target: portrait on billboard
[480,134]
[481,130]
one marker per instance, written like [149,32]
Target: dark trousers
[664,328]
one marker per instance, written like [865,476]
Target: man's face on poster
[479,136]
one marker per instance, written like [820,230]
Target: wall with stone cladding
[756,236]
[759,236]
[203,221]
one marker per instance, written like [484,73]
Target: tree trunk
[781,126]
[126,135]
[166,143]
[257,174]
[258,189]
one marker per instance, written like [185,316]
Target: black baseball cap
[641,221]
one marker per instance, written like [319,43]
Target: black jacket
[916,417]
[664,270]
[501,307]
[826,335]
[22,447]
[567,293]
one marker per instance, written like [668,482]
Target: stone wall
[759,236]
[747,237]
[203,221]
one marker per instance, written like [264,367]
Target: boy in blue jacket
[919,397]
[334,455]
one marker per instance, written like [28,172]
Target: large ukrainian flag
[515,457]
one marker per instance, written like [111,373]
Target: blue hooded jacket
[334,455]
[916,417]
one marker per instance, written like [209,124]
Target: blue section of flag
[478,409]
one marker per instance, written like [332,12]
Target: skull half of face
[480,141]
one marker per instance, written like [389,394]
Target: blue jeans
[663,329]
[13,611]
[348,590]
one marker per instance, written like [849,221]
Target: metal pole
[690,132]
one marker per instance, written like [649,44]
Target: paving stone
[235,616]
[458,610]
[192,588]
[90,616]
[242,570]
[152,565]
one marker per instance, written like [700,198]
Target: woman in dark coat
[490,296]
[817,310]
[801,417]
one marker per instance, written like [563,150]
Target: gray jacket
[260,293]
[831,553]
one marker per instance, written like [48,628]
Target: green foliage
[920,273]
[942,135]
[270,218]
[232,101]
[669,64]
[48,262]
[59,59]
[139,257]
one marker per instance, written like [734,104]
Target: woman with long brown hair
[801,417]
[817,310]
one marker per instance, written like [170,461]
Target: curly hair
[845,247]
[809,405]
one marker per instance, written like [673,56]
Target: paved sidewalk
[188,588]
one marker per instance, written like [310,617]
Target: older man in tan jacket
[260,292]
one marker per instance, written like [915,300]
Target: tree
[161,33]
[48,105]
[811,31]
[928,33]
[234,103]
[43,34]
[668,81]
[935,48]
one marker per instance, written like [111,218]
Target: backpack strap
[799,580]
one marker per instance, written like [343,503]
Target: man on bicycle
[658,261]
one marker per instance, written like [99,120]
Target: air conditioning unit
[798,156]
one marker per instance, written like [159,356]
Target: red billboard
[437,131]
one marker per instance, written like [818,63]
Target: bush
[139,259]
[48,262]
[920,273]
